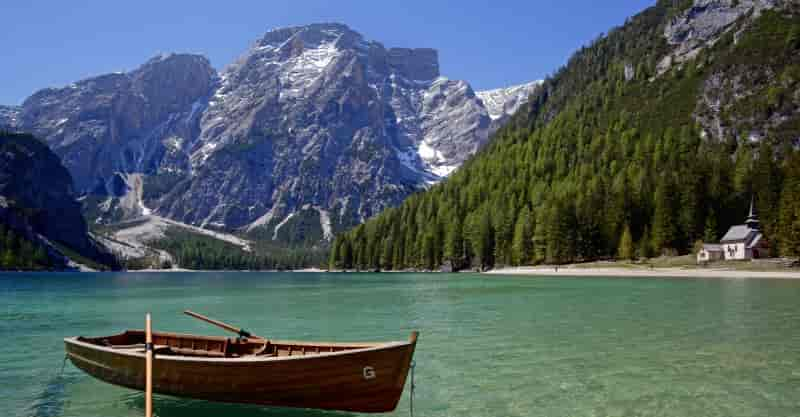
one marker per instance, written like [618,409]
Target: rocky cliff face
[8,117]
[704,22]
[123,122]
[37,197]
[746,99]
[312,118]
[501,103]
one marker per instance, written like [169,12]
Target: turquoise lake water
[489,345]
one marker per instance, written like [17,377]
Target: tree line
[195,251]
[19,253]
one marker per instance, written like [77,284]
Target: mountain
[501,103]
[661,131]
[314,128]
[122,122]
[41,221]
[8,117]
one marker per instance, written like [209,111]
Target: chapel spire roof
[752,218]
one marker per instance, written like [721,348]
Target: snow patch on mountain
[9,116]
[281,224]
[146,229]
[429,154]
[502,102]
[261,221]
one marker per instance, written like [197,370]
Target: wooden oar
[148,390]
[226,326]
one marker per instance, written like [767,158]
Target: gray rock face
[310,118]
[453,125]
[703,23]
[501,103]
[125,122]
[37,196]
[414,64]
[9,116]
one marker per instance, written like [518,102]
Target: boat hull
[360,380]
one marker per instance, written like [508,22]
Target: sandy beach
[312,270]
[620,272]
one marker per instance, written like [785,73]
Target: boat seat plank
[140,348]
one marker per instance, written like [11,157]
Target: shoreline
[620,272]
[566,271]
[150,270]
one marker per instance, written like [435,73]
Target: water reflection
[165,406]
[50,402]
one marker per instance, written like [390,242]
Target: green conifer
[626,251]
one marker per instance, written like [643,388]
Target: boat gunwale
[357,345]
[247,359]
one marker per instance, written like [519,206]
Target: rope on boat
[411,397]
[63,364]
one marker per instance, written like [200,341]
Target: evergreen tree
[710,233]
[483,240]
[645,249]
[793,38]
[540,238]
[522,246]
[626,245]
[347,254]
[428,252]
[335,258]
[8,259]
[767,185]
[504,233]
[789,236]
[664,230]
[743,174]
[11,241]
[454,244]
[561,234]
[387,253]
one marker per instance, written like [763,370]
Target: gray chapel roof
[739,233]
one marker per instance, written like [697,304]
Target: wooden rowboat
[361,377]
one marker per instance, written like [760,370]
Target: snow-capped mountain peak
[312,120]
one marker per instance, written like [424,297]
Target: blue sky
[490,44]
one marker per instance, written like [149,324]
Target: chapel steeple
[752,219]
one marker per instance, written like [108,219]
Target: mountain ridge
[330,116]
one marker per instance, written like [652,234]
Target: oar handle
[228,327]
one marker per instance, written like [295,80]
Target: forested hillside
[620,153]
[200,252]
[41,226]
[19,253]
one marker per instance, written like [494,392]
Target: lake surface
[489,345]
